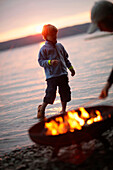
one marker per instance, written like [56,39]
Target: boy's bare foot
[40,114]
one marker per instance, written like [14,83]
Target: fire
[84,113]
[56,126]
[73,116]
[71,121]
[95,119]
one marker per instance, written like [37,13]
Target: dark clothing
[64,89]
[51,51]
[55,75]
[110,79]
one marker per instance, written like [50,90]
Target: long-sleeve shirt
[50,52]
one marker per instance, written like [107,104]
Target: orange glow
[74,124]
[109,116]
[21,32]
[42,43]
[32,29]
[95,119]
[39,29]
[84,113]
[74,116]
[71,121]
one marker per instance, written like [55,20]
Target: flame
[84,113]
[74,116]
[95,119]
[71,121]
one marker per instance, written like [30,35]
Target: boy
[54,58]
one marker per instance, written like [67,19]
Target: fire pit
[74,127]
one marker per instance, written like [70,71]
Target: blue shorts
[64,89]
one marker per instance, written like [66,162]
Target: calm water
[22,85]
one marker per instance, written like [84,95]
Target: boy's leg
[43,107]
[64,104]
[41,110]
[49,97]
[64,91]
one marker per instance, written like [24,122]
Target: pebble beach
[93,156]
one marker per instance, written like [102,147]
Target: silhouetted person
[102,18]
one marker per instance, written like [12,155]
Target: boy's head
[49,32]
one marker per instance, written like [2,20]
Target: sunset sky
[20,18]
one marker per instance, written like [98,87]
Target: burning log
[74,127]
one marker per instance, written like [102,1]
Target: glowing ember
[71,121]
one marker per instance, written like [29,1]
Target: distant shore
[32,39]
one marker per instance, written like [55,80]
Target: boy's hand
[72,72]
[54,62]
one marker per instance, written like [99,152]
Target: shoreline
[92,156]
[37,38]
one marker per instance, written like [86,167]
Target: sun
[39,28]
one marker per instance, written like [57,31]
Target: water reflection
[22,84]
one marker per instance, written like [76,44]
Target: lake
[22,85]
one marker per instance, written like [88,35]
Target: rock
[39,157]
[21,167]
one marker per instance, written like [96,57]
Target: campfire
[71,121]
[74,127]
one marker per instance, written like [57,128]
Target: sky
[19,18]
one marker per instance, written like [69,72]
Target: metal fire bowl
[88,132]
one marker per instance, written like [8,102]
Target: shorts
[64,89]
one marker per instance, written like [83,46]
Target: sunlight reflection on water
[22,85]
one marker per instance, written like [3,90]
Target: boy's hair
[48,30]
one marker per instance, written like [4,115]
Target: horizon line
[31,35]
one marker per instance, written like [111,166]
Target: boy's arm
[72,71]
[68,63]
[42,59]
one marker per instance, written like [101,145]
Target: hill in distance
[37,38]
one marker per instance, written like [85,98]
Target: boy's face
[52,36]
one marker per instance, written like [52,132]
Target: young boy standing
[54,58]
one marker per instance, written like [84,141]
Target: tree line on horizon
[32,39]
